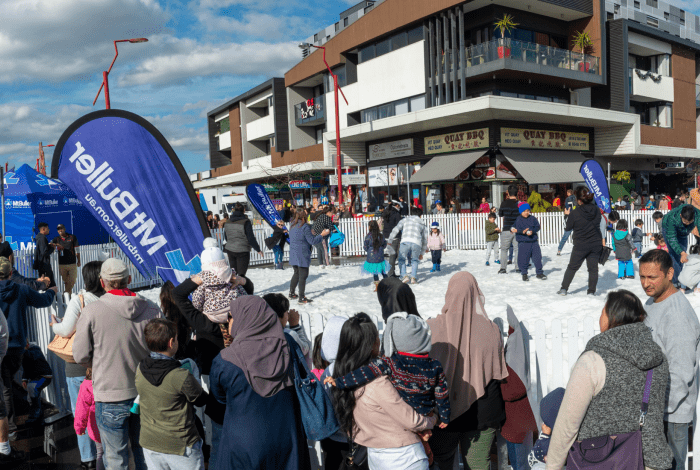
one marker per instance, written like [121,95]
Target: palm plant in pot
[505,25]
[583,41]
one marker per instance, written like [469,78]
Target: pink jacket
[85,412]
[436,242]
[485,208]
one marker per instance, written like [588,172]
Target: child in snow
[638,236]
[36,376]
[436,245]
[319,362]
[659,242]
[419,379]
[375,243]
[623,248]
[85,416]
[492,232]
[220,286]
[276,242]
[549,409]
[525,230]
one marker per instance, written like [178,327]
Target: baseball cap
[113,270]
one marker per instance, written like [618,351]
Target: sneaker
[13,457]
[293,296]
[498,261]
[542,277]
[502,271]
[91,465]
[487,264]
[305,300]
[621,277]
[510,262]
[525,278]
[414,280]
[406,280]
[562,291]
[558,253]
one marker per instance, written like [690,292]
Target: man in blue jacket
[525,230]
[14,300]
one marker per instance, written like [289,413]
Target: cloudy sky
[200,54]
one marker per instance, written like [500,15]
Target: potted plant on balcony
[583,41]
[504,25]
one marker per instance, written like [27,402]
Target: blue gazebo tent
[31,198]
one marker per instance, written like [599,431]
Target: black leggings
[239,262]
[591,254]
[300,275]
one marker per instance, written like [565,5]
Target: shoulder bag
[63,347]
[317,413]
[619,452]
[337,238]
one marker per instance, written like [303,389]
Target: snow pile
[344,291]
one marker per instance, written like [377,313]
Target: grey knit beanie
[410,334]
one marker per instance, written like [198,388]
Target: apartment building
[441,105]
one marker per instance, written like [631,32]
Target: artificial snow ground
[344,291]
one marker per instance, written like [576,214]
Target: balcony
[260,129]
[648,86]
[310,112]
[225,141]
[575,68]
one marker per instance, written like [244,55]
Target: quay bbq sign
[457,141]
[540,139]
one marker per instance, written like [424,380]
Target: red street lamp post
[41,162]
[337,117]
[105,74]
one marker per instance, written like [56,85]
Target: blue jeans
[279,254]
[625,268]
[638,246]
[676,257]
[409,251]
[192,460]
[564,238]
[516,457]
[677,436]
[117,427]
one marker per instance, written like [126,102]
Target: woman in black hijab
[395,296]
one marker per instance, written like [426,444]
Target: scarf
[467,343]
[259,347]
[122,293]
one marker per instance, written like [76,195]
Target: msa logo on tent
[10,204]
[47,202]
[71,201]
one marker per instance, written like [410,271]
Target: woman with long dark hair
[604,394]
[300,242]
[584,221]
[75,373]
[375,416]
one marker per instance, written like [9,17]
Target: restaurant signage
[355,179]
[397,148]
[541,139]
[457,141]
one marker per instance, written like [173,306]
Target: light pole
[105,74]
[306,45]
[41,166]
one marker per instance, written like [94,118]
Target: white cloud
[202,60]
[256,25]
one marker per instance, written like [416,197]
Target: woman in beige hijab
[470,348]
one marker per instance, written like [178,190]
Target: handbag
[317,413]
[604,255]
[337,238]
[63,347]
[619,452]
[351,460]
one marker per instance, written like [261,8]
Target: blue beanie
[524,207]
[435,224]
[549,406]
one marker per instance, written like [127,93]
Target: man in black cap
[37,284]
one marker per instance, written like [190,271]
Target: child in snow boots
[419,379]
[220,286]
[492,232]
[525,230]
[276,241]
[549,409]
[436,245]
[623,247]
[375,243]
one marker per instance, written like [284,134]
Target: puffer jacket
[622,245]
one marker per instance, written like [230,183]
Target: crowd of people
[147,382]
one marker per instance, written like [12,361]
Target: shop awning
[446,167]
[546,166]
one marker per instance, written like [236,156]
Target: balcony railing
[528,52]
[310,112]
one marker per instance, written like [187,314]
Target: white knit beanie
[214,261]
